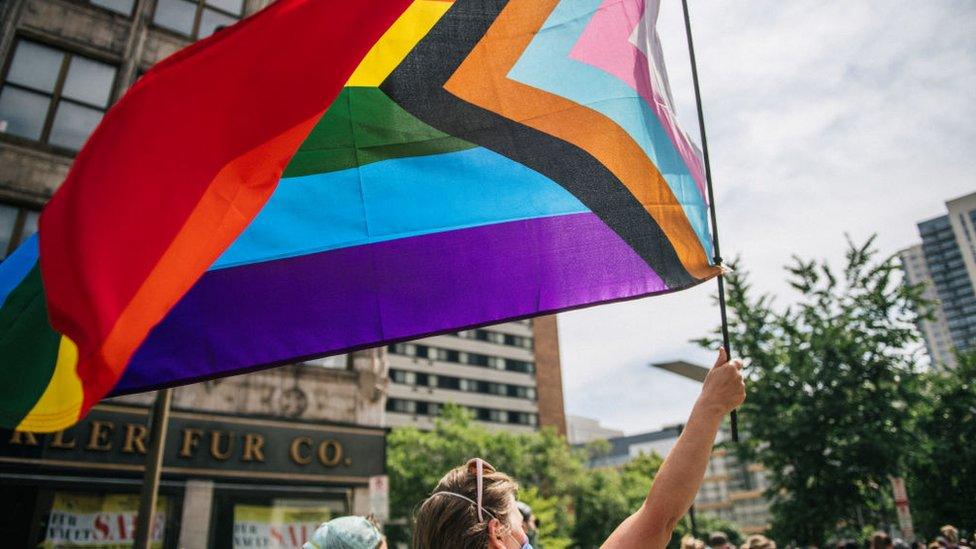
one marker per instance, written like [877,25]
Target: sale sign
[99,521]
[276,527]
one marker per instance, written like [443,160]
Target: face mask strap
[467,499]
[479,465]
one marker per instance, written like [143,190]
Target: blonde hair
[446,520]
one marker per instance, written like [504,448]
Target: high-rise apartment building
[507,375]
[962,216]
[948,261]
[735,490]
[935,332]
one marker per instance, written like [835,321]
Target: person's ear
[495,540]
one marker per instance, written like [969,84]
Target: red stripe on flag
[182,164]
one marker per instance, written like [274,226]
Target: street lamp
[688,370]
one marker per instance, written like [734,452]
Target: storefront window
[91,520]
[248,519]
[283,524]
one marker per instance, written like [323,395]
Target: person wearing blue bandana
[347,533]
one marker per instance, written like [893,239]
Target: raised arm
[682,472]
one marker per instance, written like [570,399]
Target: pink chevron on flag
[607,45]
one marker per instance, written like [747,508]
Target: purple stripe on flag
[242,318]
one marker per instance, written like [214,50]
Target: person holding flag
[475,507]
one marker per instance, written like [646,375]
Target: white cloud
[823,118]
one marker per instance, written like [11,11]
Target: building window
[197,18]
[498,338]
[53,96]
[16,226]
[457,357]
[498,416]
[402,406]
[118,6]
[406,349]
[519,366]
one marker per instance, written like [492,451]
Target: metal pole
[154,465]
[734,418]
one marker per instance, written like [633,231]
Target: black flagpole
[734,418]
[691,510]
[154,465]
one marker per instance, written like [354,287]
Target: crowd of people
[364,533]
[948,539]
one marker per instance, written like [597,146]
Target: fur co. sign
[116,438]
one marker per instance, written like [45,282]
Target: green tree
[942,477]
[604,497]
[831,390]
[547,511]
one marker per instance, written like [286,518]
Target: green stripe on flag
[362,126]
[28,349]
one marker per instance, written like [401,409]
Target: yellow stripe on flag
[397,42]
[60,404]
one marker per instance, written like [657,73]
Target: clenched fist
[723,390]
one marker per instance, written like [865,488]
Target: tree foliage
[831,389]
[605,497]
[942,479]
[547,511]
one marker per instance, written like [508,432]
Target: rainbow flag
[387,170]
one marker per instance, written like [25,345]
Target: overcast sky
[822,118]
